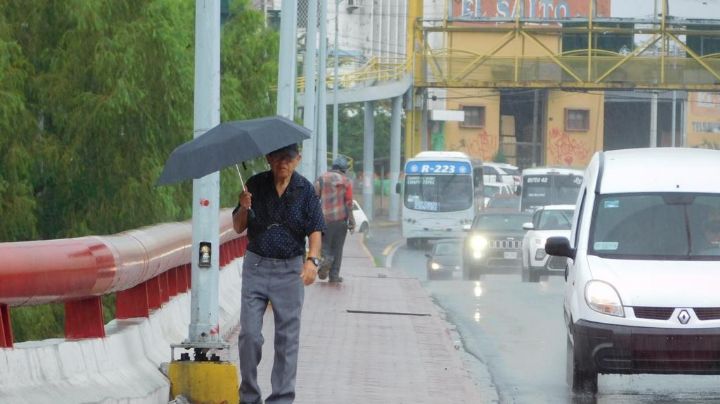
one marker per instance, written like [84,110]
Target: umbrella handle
[251,213]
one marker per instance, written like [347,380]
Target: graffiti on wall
[704,112]
[480,144]
[703,120]
[546,9]
[566,150]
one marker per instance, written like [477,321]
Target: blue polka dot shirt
[281,223]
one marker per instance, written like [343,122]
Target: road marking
[392,246]
[389,252]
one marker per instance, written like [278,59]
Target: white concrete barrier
[123,367]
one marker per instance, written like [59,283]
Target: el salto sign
[547,9]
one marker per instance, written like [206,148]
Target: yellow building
[539,88]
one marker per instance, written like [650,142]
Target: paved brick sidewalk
[354,350]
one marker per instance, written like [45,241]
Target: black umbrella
[230,143]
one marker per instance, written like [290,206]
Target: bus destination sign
[437,167]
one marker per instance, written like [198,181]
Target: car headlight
[477,245]
[603,298]
[478,242]
[435,266]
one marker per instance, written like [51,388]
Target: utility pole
[335,85]
[286,68]
[204,329]
[321,162]
[307,164]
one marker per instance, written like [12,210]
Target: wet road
[515,331]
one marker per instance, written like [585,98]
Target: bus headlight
[603,298]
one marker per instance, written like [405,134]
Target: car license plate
[510,255]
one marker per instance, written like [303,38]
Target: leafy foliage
[94,95]
[351,123]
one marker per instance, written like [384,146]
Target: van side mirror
[397,187]
[559,247]
[528,226]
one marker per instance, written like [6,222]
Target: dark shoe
[324,269]
[336,280]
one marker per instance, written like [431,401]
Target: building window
[474,117]
[577,120]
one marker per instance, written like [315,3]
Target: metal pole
[307,164]
[204,326]
[382,186]
[394,208]
[368,159]
[286,68]
[674,107]
[335,85]
[653,120]
[683,119]
[321,161]
[536,99]
[423,121]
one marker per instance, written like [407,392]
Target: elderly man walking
[335,191]
[279,209]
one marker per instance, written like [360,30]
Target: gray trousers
[333,241]
[278,281]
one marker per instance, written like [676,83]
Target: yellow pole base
[204,382]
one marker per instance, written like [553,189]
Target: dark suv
[494,240]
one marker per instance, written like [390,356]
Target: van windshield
[661,225]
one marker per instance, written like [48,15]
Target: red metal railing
[144,267]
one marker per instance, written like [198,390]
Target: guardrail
[144,267]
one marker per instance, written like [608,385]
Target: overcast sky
[708,9]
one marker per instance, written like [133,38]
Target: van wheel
[412,243]
[581,380]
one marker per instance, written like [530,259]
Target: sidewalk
[375,338]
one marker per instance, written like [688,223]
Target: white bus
[542,186]
[443,190]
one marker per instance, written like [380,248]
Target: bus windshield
[438,193]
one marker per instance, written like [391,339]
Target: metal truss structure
[662,61]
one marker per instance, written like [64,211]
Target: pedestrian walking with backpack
[335,191]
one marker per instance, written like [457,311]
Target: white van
[641,291]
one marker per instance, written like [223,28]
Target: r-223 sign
[437,167]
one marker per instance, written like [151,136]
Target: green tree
[94,95]
[17,200]
[249,56]
[351,125]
